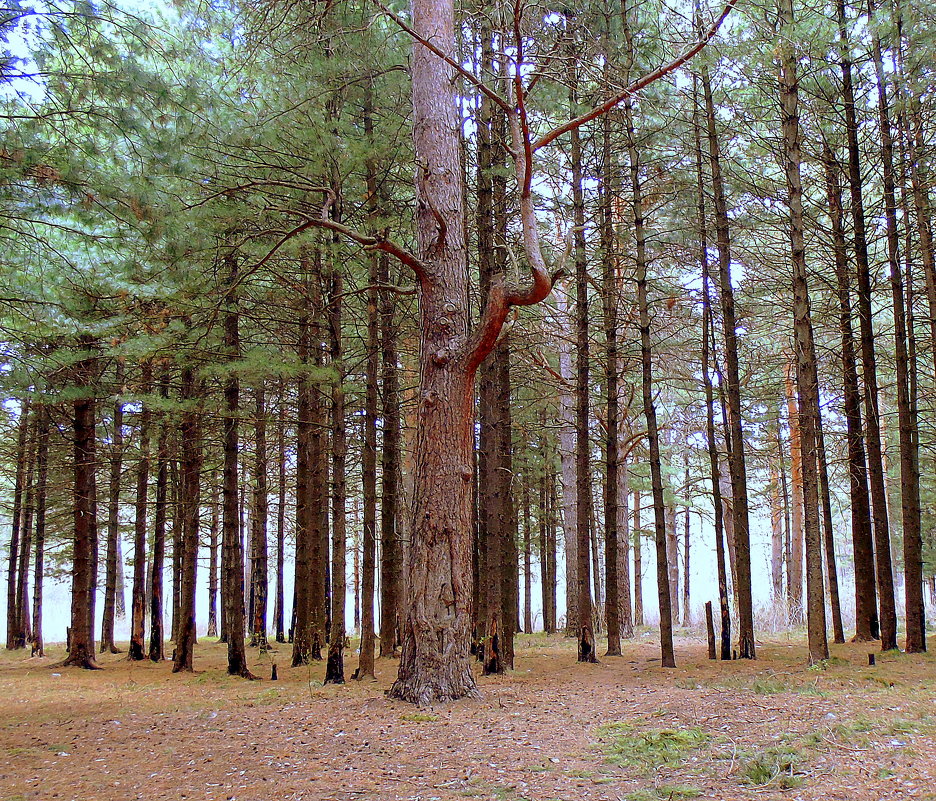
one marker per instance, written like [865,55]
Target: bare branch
[641,83]
[378,242]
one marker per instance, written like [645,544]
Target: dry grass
[552,729]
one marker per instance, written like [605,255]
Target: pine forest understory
[490,400]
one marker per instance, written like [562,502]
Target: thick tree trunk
[81,640]
[113,524]
[736,461]
[137,650]
[189,494]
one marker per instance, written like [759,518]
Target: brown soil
[623,729]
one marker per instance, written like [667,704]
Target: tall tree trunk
[319,567]
[159,530]
[334,669]
[552,545]
[567,460]
[258,528]
[493,480]
[625,609]
[656,470]
[708,340]
[137,650]
[527,554]
[81,641]
[23,633]
[638,565]
[437,617]
[838,630]
[16,520]
[42,484]
[609,291]
[866,619]
[909,450]
[189,497]
[301,628]
[232,593]
[776,534]
[887,605]
[686,612]
[795,566]
[279,604]
[113,524]
[391,552]
[369,439]
[672,557]
[585,628]
[175,505]
[213,541]
[807,378]
[736,462]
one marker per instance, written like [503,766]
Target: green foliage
[775,765]
[626,745]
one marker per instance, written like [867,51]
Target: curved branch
[378,242]
[502,296]
[641,83]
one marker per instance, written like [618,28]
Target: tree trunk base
[334,669]
[81,659]
[746,648]
[424,690]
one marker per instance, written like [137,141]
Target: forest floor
[552,729]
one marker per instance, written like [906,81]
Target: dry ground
[624,729]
